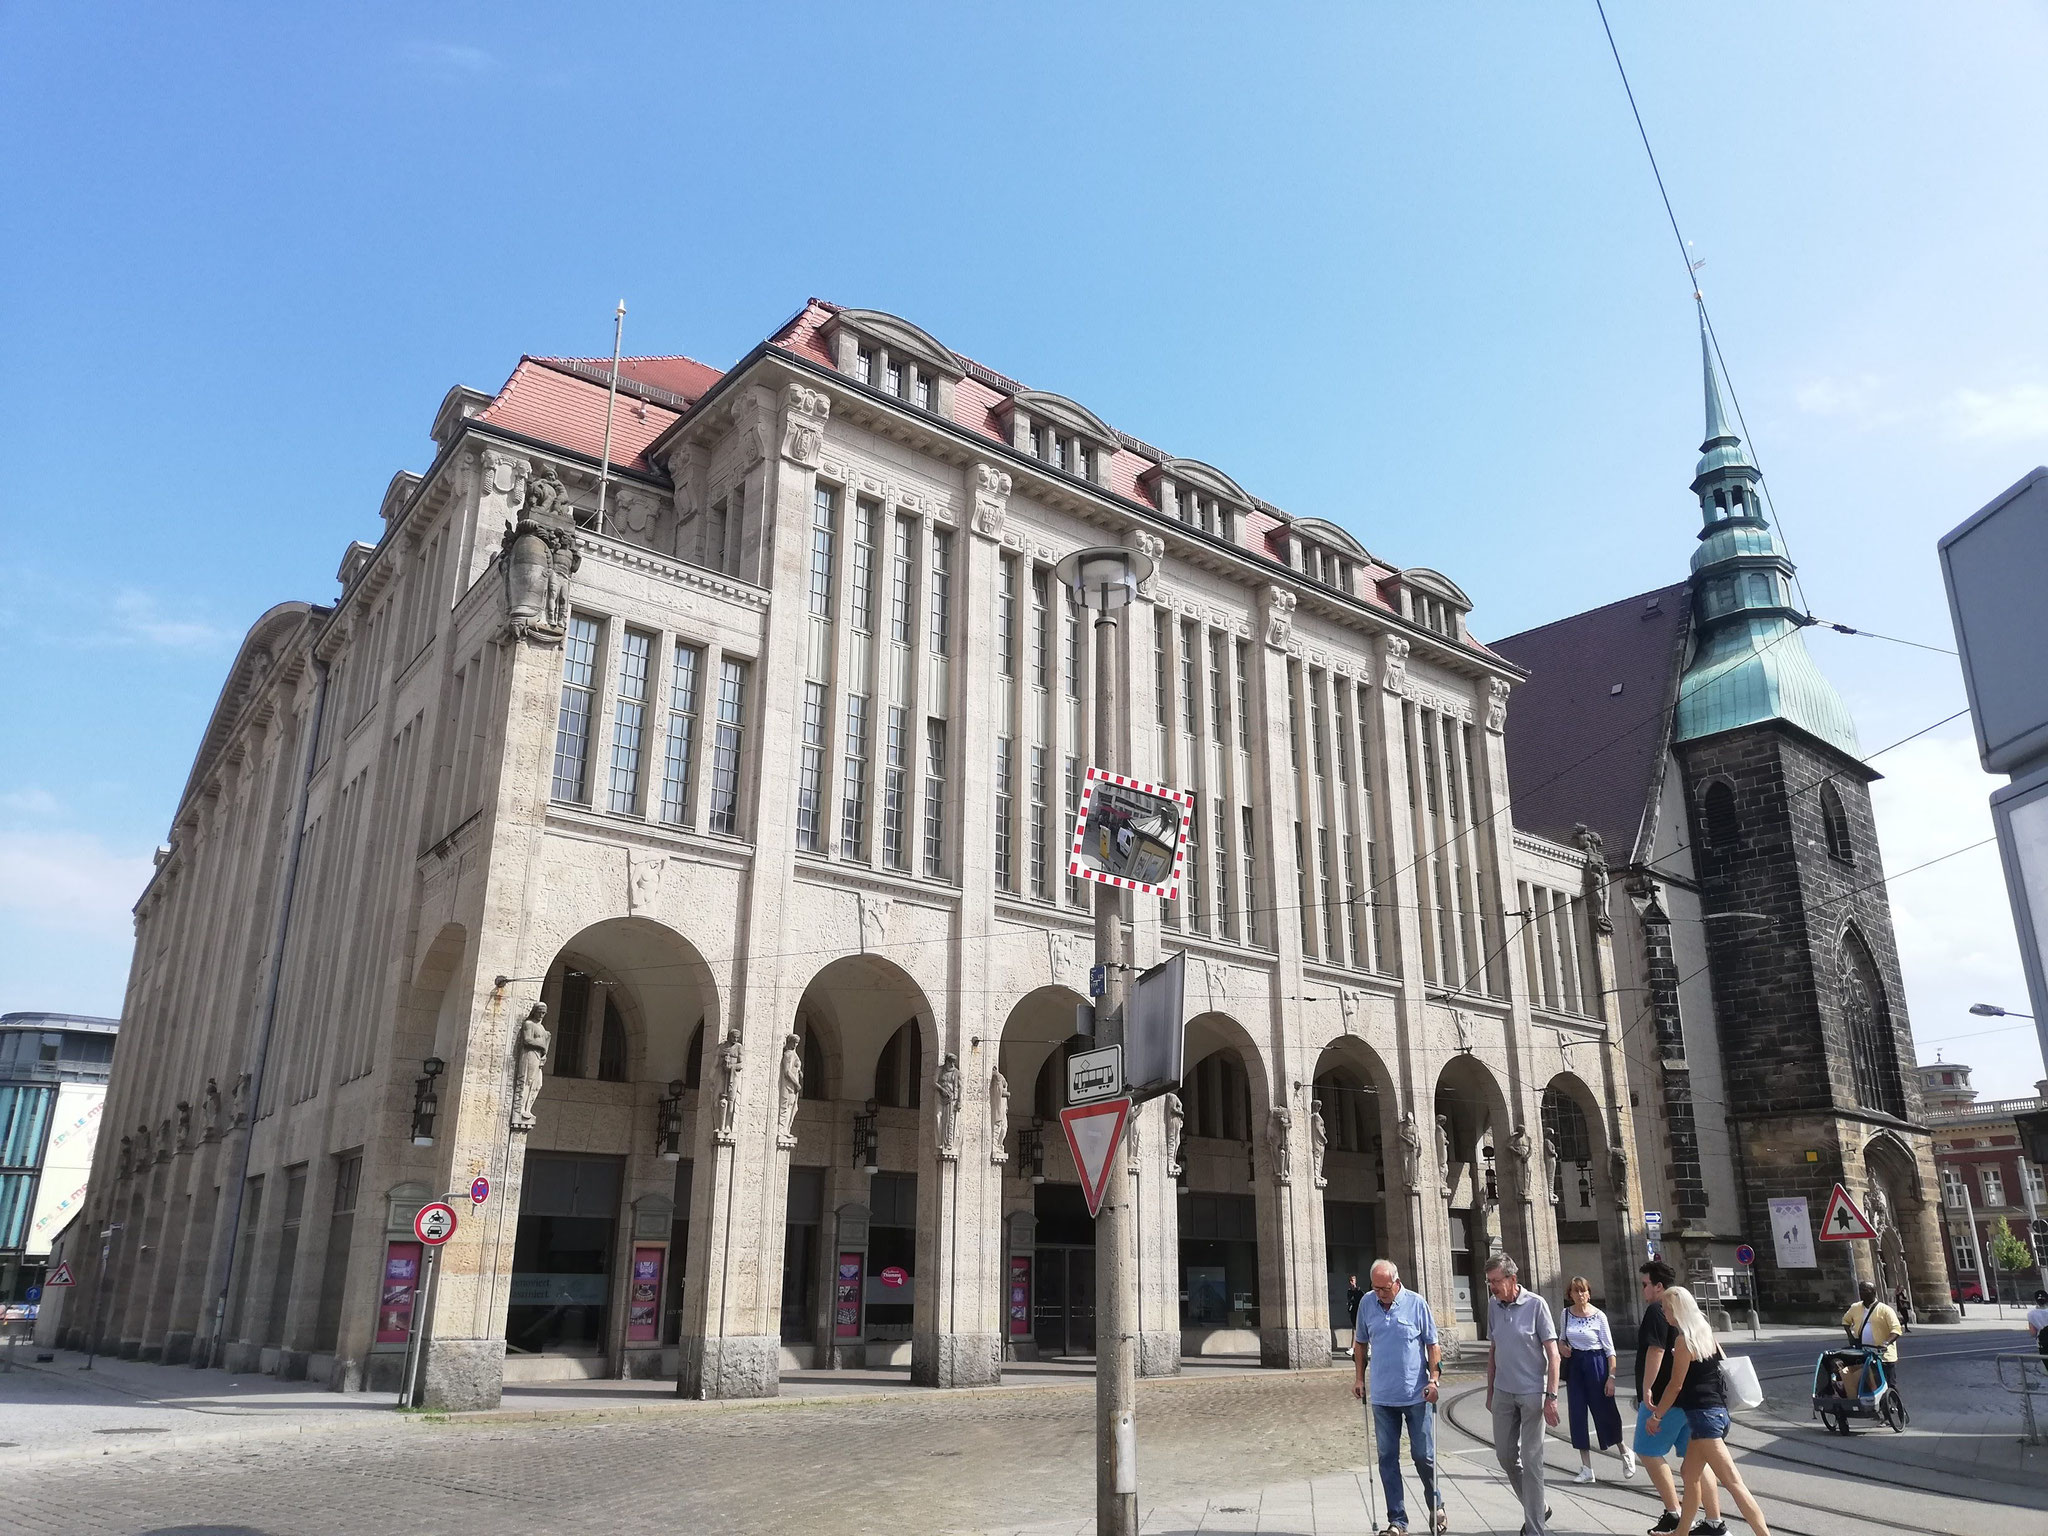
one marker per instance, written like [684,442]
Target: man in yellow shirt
[1873,1323]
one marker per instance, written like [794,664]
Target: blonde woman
[1588,1350]
[1697,1390]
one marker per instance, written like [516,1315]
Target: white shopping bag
[1744,1390]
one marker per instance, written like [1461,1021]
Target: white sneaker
[1628,1463]
[1585,1475]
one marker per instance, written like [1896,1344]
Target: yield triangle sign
[1843,1222]
[1093,1130]
[61,1275]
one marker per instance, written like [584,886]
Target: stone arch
[1365,1212]
[1468,1142]
[1231,1222]
[1896,1204]
[867,1015]
[1574,1180]
[1042,1220]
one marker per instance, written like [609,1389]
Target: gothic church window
[1717,812]
[1873,1061]
[1836,821]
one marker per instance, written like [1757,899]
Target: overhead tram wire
[1692,268]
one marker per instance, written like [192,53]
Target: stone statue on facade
[239,1113]
[1617,1175]
[532,1047]
[143,1154]
[1176,1124]
[538,556]
[184,1125]
[1553,1166]
[1279,617]
[1411,1152]
[792,1089]
[731,1062]
[1461,1025]
[947,1085]
[1497,705]
[1394,671]
[1280,1142]
[1443,1152]
[1523,1151]
[209,1103]
[1879,1210]
[1596,876]
[127,1157]
[998,1116]
[1318,1141]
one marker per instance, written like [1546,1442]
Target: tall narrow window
[1225,928]
[1006,616]
[901,554]
[935,798]
[1244,698]
[853,800]
[810,770]
[1317,757]
[1293,723]
[629,720]
[1036,856]
[1326,887]
[924,390]
[727,742]
[572,722]
[1359,957]
[1248,850]
[1191,875]
[1836,822]
[714,554]
[1162,696]
[893,378]
[895,762]
[1005,809]
[1072,656]
[1304,909]
[824,514]
[1190,690]
[864,364]
[682,736]
[1873,1056]
[1041,626]
[942,592]
[1219,698]
[1077,888]
[862,617]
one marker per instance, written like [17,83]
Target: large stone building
[693,871]
[1689,731]
[1985,1176]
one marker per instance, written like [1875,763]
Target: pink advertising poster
[643,1302]
[394,1301]
[846,1280]
[1020,1294]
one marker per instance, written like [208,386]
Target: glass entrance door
[1063,1310]
[562,1260]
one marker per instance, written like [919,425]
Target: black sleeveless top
[1704,1385]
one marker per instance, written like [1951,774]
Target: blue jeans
[1386,1426]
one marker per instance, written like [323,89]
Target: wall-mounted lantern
[1031,1152]
[867,1141]
[426,1102]
[668,1123]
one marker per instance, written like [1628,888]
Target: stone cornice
[578,825]
[633,557]
[847,877]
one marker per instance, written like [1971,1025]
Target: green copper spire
[1749,661]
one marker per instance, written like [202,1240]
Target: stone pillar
[1157,1200]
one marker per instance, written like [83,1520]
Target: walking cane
[1372,1464]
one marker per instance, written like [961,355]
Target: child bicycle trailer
[1853,1384]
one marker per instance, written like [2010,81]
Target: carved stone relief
[1277,608]
[1497,704]
[1394,669]
[804,414]
[991,495]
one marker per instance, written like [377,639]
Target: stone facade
[786,748]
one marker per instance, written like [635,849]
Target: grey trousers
[1518,1442]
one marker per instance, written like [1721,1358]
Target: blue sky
[1400,267]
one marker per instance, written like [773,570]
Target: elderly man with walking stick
[1397,1332]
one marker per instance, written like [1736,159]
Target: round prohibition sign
[1745,1255]
[435,1223]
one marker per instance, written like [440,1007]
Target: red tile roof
[678,375]
[553,406]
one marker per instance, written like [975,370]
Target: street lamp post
[1106,579]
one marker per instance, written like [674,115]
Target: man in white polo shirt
[1521,1384]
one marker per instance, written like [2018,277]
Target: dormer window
[893,381]
[895,357]
[864,364]
[1435,603]
[924,391]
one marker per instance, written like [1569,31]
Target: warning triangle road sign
[1093,1130]
[61,1275]
[1843,1222]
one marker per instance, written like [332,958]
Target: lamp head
[1104,575]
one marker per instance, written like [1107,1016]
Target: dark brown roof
[1578,750]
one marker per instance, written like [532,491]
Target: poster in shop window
[643,1304]
[846,1280]
[1020,1294]
[394,1300]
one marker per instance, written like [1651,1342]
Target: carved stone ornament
[730,1063]
[1394,669]
[1318,1141]
[1132,1159]
[1617,1176]
[991,500]
[163,1140]
[143,1157]
[792,1090]
[1461,1022]
[998,1116]
[643,883]
[1411,1152]
[1596,876]
[184,1125]
[210,1111]
[127,1157]
[1523,1152]
[537,556]
[1443,1153]
[874,920]
[1552,1165]
[1279,612]
[947,1086]
[1280,1142]
[1153,547]
[532,1048]
[804,413]
[1176,1124]
[1496,704]
[240,1114]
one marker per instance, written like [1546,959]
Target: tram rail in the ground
[1833,1517]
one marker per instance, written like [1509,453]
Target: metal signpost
[433,1226]
[1746,1257]
[1130,831]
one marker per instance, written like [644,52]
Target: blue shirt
[1397,1341]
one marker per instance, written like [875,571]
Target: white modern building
[760,783]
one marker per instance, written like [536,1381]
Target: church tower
[1816,1051]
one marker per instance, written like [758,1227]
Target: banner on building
[1792,1234]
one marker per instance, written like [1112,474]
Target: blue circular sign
[479,1190]
[32,1294]
[1745,1255]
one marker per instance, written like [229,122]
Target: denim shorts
[1707,1423]
[1672,1436]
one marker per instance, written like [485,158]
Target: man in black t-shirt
[1655,1338]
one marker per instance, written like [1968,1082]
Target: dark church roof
[1587,730]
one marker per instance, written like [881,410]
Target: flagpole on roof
[604,472]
